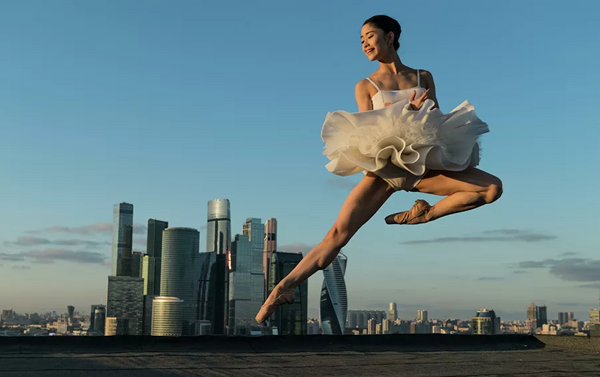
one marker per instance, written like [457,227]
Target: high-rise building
[245,298]
[393,312]
[149,275]
[532,316]
[359,318]
[154,250]
[542,316]
[179,272]
[422,315]
[125,262]
[485,322]
[562,318]
[334,298]
[147,315]
[292,318]
[99,319]
[386,326]
[93,317]
[117,326]
[167,313]
[255,230]
[70,311]
[270,246]
[125,302]
[214,275]
[136,264]
[122,216]
[371,326]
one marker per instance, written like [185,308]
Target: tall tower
[167,316]
[334,298]
[125,302]
[542,316]
[422,315]
[532,316]
[292,318]
[154,251]
[218,229]
[179,271]
[393,312]
[270,246]
[70,311]
[122,217]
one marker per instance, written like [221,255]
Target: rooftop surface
[430,355]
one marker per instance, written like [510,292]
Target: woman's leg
[360,205]
[463,191]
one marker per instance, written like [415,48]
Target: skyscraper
[393,312]
[255,230]
[334,298]
[245,288]
[270,246]
[125,302]
[122,216]
[93,317]
[179,272]
[532,316]
[214,280]
[542,316]
[289,319]
[562,318]
[167,313]
[125,261]
[154,251]
[99,319]
[422,315]
[70,311]
[485,322]
[149,275]
[136,264]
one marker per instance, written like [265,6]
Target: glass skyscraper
[245,283]
[215,264]
[154,250]
[122,217]
[270,246]
[288,319]
[334,298]
[179,271]
[167,315]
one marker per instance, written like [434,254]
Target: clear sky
[168,105]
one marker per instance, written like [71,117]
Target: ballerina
[401,141]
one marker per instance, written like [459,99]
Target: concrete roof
[430,355]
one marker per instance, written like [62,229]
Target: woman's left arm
[427,79]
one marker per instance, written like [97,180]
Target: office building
[167,314]
[154,251]
[532,316]
[179,272]
[422,315]
[393,312]
[358,319]
[270,246]
[93,317]
[122,217]
[125,302]
[334,298]
[485,322]
[292,318]
[245,288]
[136,264]
[149,274]
[118,326]
[542,318]
[125,262]
[99,319]
[147,315]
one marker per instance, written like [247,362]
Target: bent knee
[494,192]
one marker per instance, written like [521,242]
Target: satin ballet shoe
[416,215]
[278,297]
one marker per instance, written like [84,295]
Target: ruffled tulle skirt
[415,141]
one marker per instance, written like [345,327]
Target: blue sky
[167,105]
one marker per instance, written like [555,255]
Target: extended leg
[464,190]
[360,205]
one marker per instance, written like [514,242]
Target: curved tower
[334,298]
[167,316]
[179,271]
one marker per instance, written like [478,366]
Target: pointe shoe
[416,215]
[278,297]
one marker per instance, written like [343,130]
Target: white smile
[369,51]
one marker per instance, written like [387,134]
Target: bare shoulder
[362,86]
[427,77]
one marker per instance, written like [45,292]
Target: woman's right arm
[363,98]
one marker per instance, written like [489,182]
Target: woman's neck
[391,66]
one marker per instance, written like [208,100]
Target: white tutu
[415,141]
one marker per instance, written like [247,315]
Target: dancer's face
[374,43]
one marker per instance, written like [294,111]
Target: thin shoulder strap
[418,78]
[375,85]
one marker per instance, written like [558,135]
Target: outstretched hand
[417,103]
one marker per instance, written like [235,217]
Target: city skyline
[104,104]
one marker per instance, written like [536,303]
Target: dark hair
[387,24]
